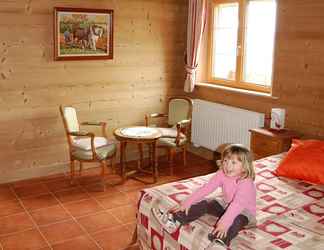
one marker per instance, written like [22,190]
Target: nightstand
[265,142]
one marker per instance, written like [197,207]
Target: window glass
[259,42]
[225,41]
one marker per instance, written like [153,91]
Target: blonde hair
[243,155]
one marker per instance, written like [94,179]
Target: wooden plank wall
[298,80]
[149,43]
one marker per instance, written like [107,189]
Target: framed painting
[83,34]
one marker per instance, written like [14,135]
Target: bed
[290,215]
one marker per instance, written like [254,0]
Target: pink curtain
[197,16]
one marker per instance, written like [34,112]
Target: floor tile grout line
[70,202]
[21,231]
[57,191]
[5,216]
[26,185]
[32,195]
[76,221]
[56,222]
[105,209]
[37,209]
[136,216]
[129,204]
[32,219]
[110,228]
[121,222]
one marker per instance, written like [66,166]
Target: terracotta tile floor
[49,213]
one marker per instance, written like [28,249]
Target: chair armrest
[82,133]
[183,123]
[93,123]
[102,124]
[154,115]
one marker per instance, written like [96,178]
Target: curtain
[197,16]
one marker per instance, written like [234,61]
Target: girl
[238,207]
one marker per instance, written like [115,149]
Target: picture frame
[83,34]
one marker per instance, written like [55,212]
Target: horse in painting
[95,33]
[88,37]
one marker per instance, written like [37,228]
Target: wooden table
[140,136]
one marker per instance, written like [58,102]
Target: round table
[139,135]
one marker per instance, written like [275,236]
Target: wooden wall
[149,44]
[298,80]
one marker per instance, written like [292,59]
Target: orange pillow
[304,161]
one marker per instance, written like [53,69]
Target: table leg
[150,155]
[154,161]
[121,162]
[140,150]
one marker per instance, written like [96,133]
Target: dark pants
[213,208]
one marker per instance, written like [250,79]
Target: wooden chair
[85,146]
[175,135]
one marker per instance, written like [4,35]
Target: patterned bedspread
[290,215]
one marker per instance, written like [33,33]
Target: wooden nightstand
[265,142]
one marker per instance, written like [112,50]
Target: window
[242,43]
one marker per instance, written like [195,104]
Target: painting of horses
[83,34]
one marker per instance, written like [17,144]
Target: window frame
[238,82]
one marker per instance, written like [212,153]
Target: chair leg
[72,171]
[184,154]
[103,168]
[171,160]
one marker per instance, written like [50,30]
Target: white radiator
[214,124]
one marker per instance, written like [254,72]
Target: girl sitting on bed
[236,209]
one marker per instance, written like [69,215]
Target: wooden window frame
[238,82]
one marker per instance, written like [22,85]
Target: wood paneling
[298,70]
[149,43]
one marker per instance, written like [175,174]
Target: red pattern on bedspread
[290,215]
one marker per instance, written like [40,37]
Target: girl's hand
[220,231]
[179,208]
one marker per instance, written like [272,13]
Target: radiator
[214,124]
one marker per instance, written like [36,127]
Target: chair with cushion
[176,133]
[85,146]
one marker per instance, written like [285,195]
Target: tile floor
[50,213]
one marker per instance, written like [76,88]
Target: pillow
[304,161]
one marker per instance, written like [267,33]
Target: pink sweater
[239,194]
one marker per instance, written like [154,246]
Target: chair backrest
[180,108]
[70,119]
